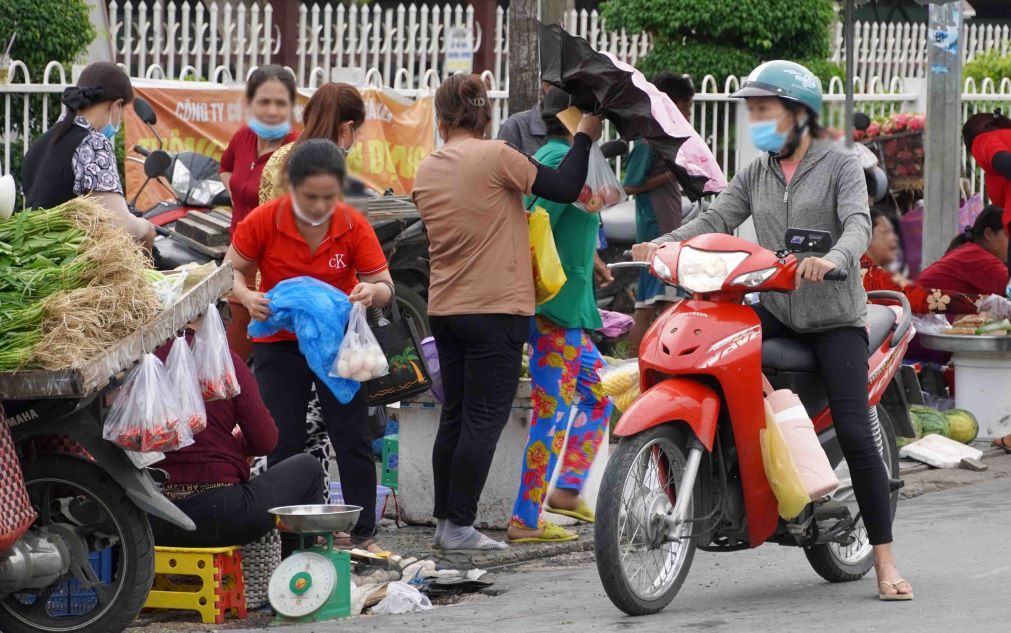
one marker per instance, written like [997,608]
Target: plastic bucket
[382,493]
[431,355]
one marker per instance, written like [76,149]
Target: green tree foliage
[990,64]
[728,37]
[48,30]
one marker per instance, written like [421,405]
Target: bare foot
[563,499]
[514,532]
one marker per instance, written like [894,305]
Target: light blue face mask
[765,137]
[109,130]
[269,132]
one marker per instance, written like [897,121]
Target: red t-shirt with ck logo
[270,237]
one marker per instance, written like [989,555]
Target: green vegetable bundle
[71,284]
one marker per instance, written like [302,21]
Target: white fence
[219,42]
[899,49]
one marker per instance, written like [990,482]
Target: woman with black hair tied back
[76,156]
[311,232]
[974,263]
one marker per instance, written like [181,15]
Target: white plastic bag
[360,357]
[144,417]
[182,371]
[215,370]
[402,598]
[602,188]
[930,323]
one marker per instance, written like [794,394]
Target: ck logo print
[339,261]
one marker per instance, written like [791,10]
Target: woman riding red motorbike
[805,181]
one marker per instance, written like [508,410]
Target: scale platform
[314,583]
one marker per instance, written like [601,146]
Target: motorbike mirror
[611,149]
[808,241]
[157,163]
[144,111]
[861,121]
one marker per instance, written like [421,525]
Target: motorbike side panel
[722,341]
[674,399]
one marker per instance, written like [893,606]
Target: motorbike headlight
[753,279]
[204,191]
[662,270]
[705,271]
[180,179]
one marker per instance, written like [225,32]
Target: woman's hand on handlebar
[644,252]
[814,269]
[591,126]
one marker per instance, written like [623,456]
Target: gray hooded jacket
[828,193]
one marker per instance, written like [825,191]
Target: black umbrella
[598,86]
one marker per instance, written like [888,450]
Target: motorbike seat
[788,354]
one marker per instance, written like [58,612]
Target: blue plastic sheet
[317,313]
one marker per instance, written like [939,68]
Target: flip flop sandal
[582,513]
[1002,442]
[552,534]
[893,597]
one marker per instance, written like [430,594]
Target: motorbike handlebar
[837,274]
[140,150]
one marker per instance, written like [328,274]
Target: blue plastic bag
[317,313]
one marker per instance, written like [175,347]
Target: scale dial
[302,584]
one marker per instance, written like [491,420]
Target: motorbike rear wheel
[845,563]
[83,499]
[641,567]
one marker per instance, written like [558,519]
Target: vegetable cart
[982,374]
[91,539]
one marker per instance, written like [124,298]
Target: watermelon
[962,425]
[930,420]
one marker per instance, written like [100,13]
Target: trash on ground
[939,451]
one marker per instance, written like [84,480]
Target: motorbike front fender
[136,483]
[674,399]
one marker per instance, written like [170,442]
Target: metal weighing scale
[314,583]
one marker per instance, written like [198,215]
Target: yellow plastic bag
[549,277]
[780,469]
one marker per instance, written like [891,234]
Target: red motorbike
[688,471]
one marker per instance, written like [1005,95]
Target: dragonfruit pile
[902,152]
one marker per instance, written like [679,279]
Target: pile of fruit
[956,424]
[898,141]
[979,325]
[620,381]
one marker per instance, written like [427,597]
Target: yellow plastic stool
[220,588]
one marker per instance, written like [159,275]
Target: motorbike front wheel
[79,498]
[641,561]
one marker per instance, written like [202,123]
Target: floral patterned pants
[563,365]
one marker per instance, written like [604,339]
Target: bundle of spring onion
[71,284]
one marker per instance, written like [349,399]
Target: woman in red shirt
[310,232]
[974,263]
[987,136]
[270,97]
[209,480]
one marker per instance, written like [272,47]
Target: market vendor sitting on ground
[881,254]
[311,232]
[974,262]
[209,480]
[76,156]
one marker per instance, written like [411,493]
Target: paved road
[953,545]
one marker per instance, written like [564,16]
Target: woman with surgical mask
[310,232]
[76,157]
[270,99]
[805,181]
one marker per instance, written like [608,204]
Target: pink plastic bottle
[812,463]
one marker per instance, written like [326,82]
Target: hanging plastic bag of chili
[145,415]
[215,370]
[182,371]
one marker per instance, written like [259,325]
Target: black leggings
[285,381]
[238,514]
[842,359]
[479,363]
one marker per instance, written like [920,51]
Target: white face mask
[303,217]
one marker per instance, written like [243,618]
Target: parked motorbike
[91,502]
[688,471]
[195,184]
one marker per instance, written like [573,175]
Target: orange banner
[397,134]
